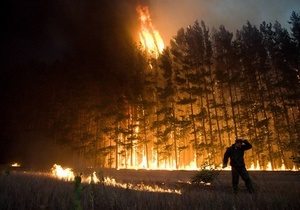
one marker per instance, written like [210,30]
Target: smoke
[171,15]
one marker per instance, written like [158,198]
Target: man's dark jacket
[236,155]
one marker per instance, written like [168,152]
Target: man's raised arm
[246,145]
[225,159]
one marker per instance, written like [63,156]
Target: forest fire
[149,37]
[91,98]
[183,113]
[163,165]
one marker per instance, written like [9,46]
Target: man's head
[238,143]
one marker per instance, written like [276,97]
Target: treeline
[180,110]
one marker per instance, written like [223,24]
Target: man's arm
[246,145]
[225,158]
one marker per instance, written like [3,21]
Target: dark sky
[47,29]
[32,29]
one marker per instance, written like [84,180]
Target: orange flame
[62,173]
[149,37]
[67,174]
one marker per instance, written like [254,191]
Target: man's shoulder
[229,148]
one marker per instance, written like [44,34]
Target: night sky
[46,30]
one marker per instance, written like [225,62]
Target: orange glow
[149,37]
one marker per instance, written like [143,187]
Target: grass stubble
[19,190]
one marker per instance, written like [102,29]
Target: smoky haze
[170,15]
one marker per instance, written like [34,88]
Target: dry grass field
[139,189]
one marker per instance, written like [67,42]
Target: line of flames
[67,174]
[152,165]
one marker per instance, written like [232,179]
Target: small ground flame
[16,165]
[93,178]
[149,36]
[62,173]
[138,187]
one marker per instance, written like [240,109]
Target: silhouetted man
[236,155]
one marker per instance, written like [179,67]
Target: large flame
[149,37]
